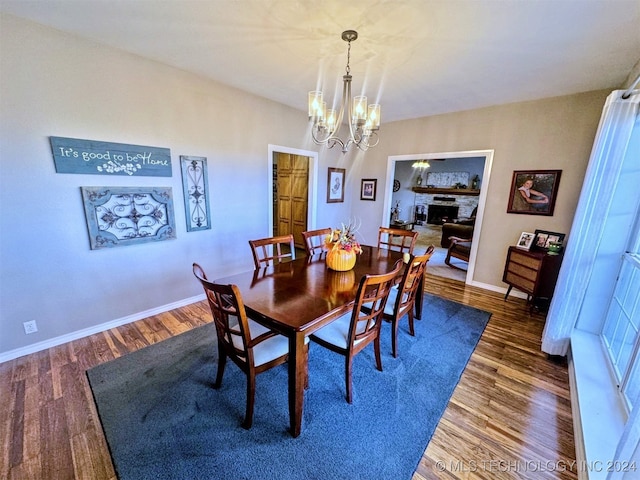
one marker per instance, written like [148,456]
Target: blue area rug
[163,420]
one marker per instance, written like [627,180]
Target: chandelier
[422,164]
[363,120]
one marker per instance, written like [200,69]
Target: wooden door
[292,185]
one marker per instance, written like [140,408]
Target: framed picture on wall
[335,185]
[119,216]
[195,188]
[533,192]
[368,189]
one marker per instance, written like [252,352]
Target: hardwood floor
[509,417]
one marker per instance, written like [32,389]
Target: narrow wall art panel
[119,216]
[195,188]
[72,155]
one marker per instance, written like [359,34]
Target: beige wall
[54,84]
[554,133]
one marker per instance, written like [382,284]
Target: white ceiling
[415,57]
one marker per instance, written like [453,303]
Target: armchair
[461,228]
[459,248]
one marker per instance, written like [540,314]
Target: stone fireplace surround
[465,203]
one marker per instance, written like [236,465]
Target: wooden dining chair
[397,239]
[402,297]
[272,249]
[251,346]
[314,240]
[350,333]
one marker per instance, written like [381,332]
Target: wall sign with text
[72,155]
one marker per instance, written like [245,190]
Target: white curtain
[603,172]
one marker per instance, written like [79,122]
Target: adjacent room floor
[431,235]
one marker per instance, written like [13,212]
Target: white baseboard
[85,332]
[494,288]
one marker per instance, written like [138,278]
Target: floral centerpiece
[342,248]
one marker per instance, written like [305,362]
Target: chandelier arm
[362,145]
[371,145]
[335,140]
[346,95]
[365,142]
[346,99]
[330,140]
[316,139]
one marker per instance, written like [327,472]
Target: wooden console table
[533,272]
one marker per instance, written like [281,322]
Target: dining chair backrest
[397,239]
[229,315]
[350,333]
[314,240]
[402,298]
[373,293]
[272,250]
[251,346]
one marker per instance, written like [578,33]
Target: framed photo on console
[544,239]
[526,240]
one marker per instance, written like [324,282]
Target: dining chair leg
[222,361]
[411,330]
[251,393]
[376,348]
[347,374]
[306,366]
[394,339]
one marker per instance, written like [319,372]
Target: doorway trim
[312,202]
[488,162]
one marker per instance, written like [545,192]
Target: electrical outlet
[30,327]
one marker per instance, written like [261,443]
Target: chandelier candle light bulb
[359,111]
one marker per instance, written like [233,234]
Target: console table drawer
[522,259]
[521,283]
[522,271]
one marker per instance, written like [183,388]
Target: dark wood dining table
[297,298]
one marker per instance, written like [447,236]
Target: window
[621,330]
[622,327]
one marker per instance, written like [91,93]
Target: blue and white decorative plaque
[118,216]
[72,155]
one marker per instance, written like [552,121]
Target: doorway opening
[455,186]
[293,175]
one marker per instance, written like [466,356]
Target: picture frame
[534,192]
[368,187]
[335,185]
[195,189]
[544,238]
[119,216]
[526,240]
